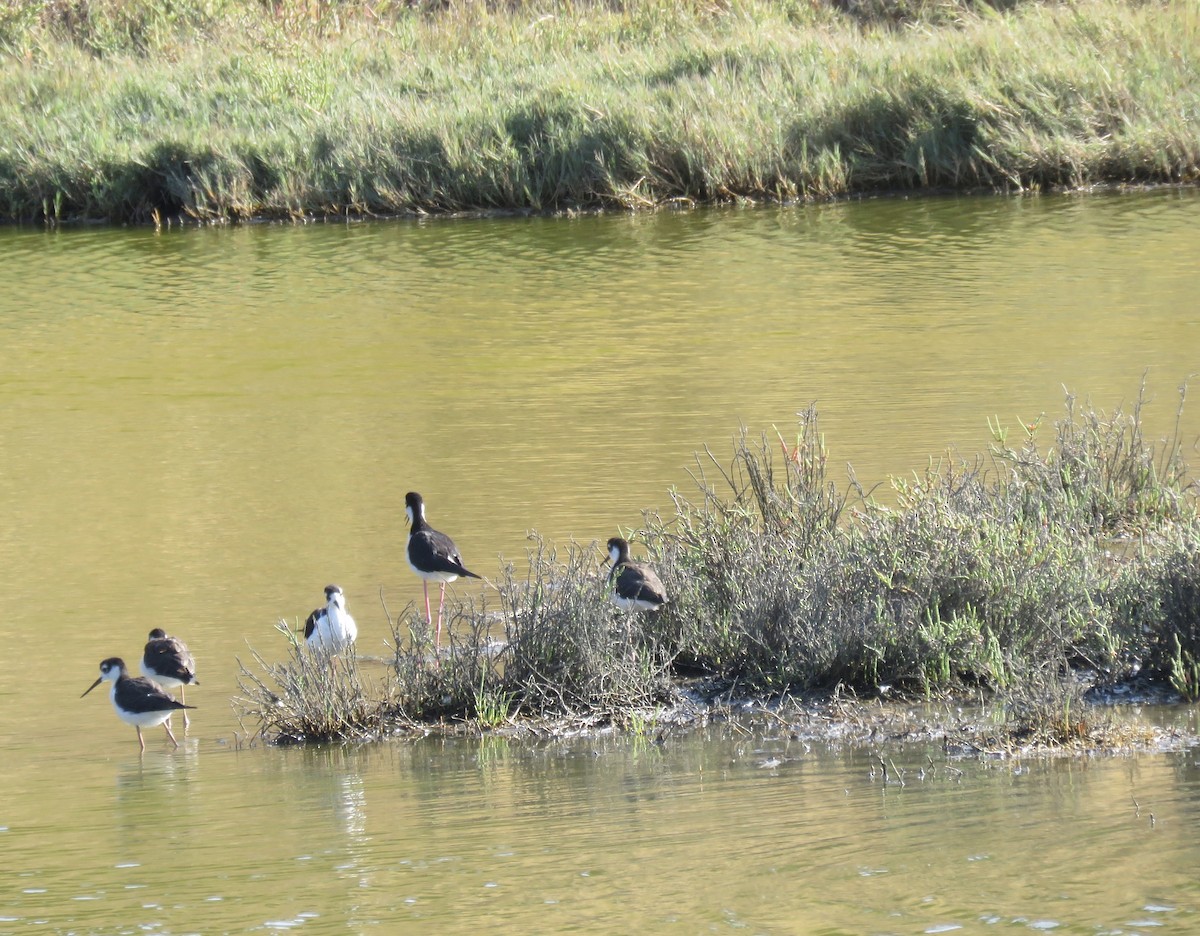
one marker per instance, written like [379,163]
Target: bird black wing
[310,624]
[139,695]
[432,551]
[640,583]
[169,656]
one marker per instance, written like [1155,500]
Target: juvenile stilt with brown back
[168,662]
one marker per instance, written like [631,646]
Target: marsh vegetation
[1064,559]
[137,110]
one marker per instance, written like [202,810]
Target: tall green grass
[1008,574]
[217,109]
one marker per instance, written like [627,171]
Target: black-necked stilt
[168,662]
[635,586]
[433,556]
[331,628]
[137,700]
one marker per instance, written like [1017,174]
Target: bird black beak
[99,679]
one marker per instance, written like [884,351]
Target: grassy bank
[1072,550]
[130,110]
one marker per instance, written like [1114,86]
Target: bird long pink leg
[141,740]
[167,725]
[441,605]
[183,698]
[437,640]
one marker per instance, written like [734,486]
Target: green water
[200,429]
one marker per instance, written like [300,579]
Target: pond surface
[200,429]
[712,832]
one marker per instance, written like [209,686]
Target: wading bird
[331,628]
[168,662]
[137,700]
[635,586]
[433,556]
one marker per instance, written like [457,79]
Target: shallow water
[200,429]
[712,831]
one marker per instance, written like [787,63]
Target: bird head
[110,670]
[618,551]
[414,507]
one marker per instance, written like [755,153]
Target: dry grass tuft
[312,696]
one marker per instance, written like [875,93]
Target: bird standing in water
[168,662]
[433,556]
[137,700]
[331,628]
[635,586]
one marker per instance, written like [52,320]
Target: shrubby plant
[1027,574]
[312,695]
